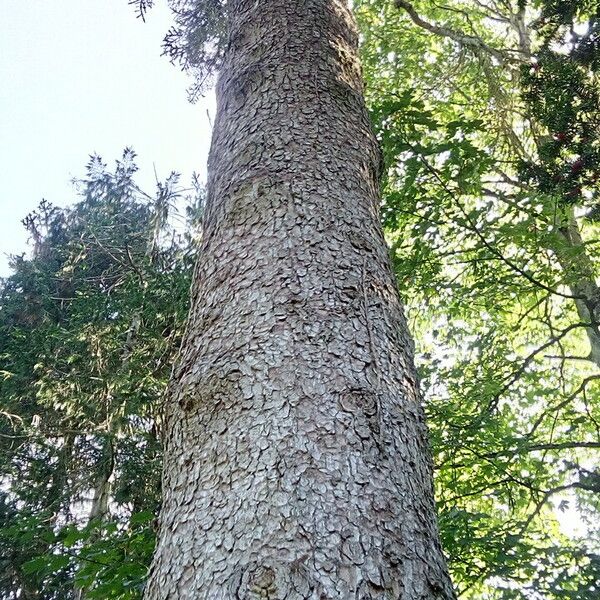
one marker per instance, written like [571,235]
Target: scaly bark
[296,460]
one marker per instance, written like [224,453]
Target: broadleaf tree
[488,116]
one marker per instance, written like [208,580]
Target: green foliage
[197,41]
[89,326]
[487,114]
[492,255]
[561,90]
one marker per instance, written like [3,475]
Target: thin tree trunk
[580,275]
[100,501]
[296,465]
[99,508]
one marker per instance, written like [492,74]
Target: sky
[79,77]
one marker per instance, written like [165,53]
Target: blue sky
[82,76]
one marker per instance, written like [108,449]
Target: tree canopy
[89,325]
[487,112]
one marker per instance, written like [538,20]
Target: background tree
[488,116]
[88,329]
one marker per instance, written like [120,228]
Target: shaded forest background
[488,116]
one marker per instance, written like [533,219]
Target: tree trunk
[296,461]
[580,276]
[100,500]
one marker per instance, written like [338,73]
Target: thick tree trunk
[297,465]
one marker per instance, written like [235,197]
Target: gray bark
[100,500]
[296,461]
[580,275]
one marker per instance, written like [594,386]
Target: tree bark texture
[297,465]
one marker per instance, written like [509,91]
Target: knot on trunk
[272,582]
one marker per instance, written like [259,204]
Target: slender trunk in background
[296,465]
[100,500]
[580,275]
